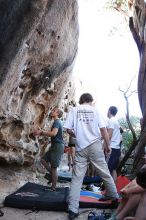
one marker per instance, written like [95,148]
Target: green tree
[129,142]
[132,126]
[127,136]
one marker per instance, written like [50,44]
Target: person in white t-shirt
[113,128]
[87,125]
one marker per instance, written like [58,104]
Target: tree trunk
[137,27]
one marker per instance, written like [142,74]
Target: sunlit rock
[38,44]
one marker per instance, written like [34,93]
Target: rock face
[38,44]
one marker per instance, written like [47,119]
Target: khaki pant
[94,154]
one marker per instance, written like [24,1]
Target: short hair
[141,177]
[85,98]
[113,110]
[60,112]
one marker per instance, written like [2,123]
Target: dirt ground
[24,214]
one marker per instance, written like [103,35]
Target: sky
[105,62]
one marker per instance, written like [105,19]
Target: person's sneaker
[107,215]
[97,216]
[72,215]
[92,216]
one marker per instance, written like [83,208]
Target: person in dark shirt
[71,153]
[51,160]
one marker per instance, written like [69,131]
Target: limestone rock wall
[38,44]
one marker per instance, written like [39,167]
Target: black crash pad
[38,197]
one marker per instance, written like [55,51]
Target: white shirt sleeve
[101,120]
[110,124]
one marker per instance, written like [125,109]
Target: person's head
[56,113]
[141,177]
[121,130]
[141,122]
[112,111]
[85,98]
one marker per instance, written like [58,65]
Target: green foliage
[116,3]
[127,134]
[120,21]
